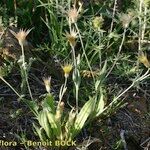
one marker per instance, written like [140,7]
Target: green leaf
[83,115]
[56,128]
[100,105]
[101,77]
[39,131]
[42,118]
[97,84]
[103,71]
[32,105]
[49,103]
[70,124]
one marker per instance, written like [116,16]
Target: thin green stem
[145,75]
[11,87]
[118,54]
[77,98]
[76,74]
[23,56]
[100,57]
[113,15]
[140,25]
[84,53]
[112,22]
[140,32]
[74,57]
[134,82]
[25,71]
[126,90]
[144,23]
[62,91]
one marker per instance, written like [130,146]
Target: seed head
[72,37]
[143,59]
[47,83]
[21,36]
[126,19]
[73,13]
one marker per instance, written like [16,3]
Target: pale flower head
[21,36]
[126,19]
[143,59]
[47,83]
[72,37]
[73,13]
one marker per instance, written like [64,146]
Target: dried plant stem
[118,54]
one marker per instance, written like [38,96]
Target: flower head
[67,69]
[126,19]
[72,37]
[47,83]
[73,13]
[21,36]
[143,59]
[98,22]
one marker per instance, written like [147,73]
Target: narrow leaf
[83,115]
[49,103]
[45,124]
[100,105]
[56,128]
